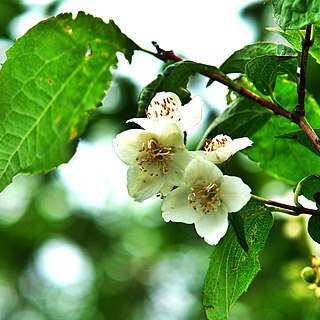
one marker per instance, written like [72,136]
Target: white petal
[200,171]
[212,226]
[141,185]
[234,193]
[176,207]
[171,135]
[144,123]
[220,155]
[241,143]
[127,143]
[191,113]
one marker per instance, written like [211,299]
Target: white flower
[222,147]
[204,198]
[156,160]
[166,107]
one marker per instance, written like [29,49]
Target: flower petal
[142,185]
[234,193]
[171,135]
[127,143]
[176,207]
[212,226]
[144,123]
[191,113]
[240,144]
[200,171]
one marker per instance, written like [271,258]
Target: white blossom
[166,108]
[156,159]
[204,198]
[220,148]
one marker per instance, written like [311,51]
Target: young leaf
[238,225]
[175,78]
[231,270]
[54,74]
[242,118]
[295,14]
[295,38]
[314,228]
[301,138]
[310,188]
[262,62]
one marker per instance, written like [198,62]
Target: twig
[293,209]
[276,108]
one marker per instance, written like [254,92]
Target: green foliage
[295,14]
[231,270]
[295,37]
[301,138]
[56,73]
[262,62]
[310,188]
[283,158]
[314,228]
[238,225]
[175,78]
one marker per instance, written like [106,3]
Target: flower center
[155,154]
[214,144]
[206,197]
[165,108]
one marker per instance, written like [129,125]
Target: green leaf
[314,228]
[56,73]
[283,158]
[310,188]
[242,118]
[231,270]
[263,71]
[175,78]
[295,38]
[238,225]
[301,138]
[262,62]
[295,14]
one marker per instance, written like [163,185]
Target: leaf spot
[88,52]
[58,118]
[50,81]
[68,28]
[73,133]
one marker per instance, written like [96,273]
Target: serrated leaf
[236,63]
[314,228]
[295,38]
[262,62]
[283,158]
[231,270]
[301,138]
[295,14]
[263,71]
[238,225]
[242,118]
[175,78]
[54,74]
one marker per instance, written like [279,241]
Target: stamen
[155,154]
[214,144]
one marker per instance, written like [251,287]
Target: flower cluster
[193,187]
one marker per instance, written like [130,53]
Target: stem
[307,42]
[293,115]
[293,209]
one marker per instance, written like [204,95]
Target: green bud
[309,274]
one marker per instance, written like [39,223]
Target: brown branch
[293,116]
[298,210]
[299,110]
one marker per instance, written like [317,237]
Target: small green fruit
[309,274]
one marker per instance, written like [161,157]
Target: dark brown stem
[293,115]
[299,111]
[298,210]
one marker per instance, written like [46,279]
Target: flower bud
[309,274]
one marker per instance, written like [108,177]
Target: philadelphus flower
[222,147]
[166,108]
[204,198]
[156,159]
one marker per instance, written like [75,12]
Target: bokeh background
[74,246]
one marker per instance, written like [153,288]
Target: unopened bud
[309,274]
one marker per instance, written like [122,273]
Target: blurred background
[75,246]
